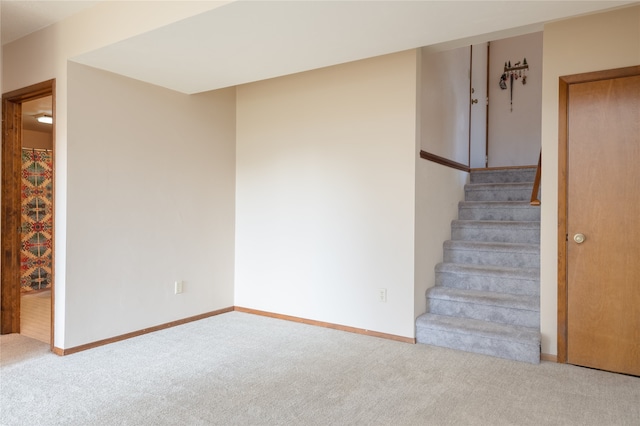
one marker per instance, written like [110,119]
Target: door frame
[563,140]
[11,202]
[484,102]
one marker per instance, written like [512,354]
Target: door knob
[579,238]
[474,101]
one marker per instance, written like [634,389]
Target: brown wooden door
[603,204]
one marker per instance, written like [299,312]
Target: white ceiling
[20,17]
[247,41]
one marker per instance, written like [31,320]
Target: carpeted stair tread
[495,247]
[497,223]
[498,210]
[498,186]
[492,204]
[518,191]
[463,268]
[503,308]
[496,231]
[490,253]
[499,340]
[521,174]
[489,278]
[515,301]
[483,337]
[480,328]
[484,245]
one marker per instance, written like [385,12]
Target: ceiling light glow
[44,118]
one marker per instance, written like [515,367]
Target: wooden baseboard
[62,352]
[327,325]
[69,351]
[549,357]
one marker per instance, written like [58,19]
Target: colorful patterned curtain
[37,224]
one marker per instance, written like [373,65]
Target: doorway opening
[27,278]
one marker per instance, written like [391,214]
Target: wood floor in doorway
[35,315]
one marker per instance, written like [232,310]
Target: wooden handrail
[536,183]
[444,161]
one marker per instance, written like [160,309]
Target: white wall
[44,55]
[325,194]
[438,191]
[150,201]
[444,96]
[591,43]
[514,136]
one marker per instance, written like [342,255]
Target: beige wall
[439,189]
[44,55]
[514,136]
[151,181]
[325,194]
[590,43]
[444,102]
[40,140]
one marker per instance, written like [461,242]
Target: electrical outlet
[382,294]
[178,287]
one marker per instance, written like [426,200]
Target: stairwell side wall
[438,190]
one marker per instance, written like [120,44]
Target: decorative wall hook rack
[514,72]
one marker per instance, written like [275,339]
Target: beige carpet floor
[242,369]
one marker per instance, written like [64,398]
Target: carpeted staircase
[487,293]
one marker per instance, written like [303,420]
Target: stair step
[487,293]
[499,340]
[498,210]
[489,278]
[498,231]
[498,254]
[524,174]
[498,191]
[501,308]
